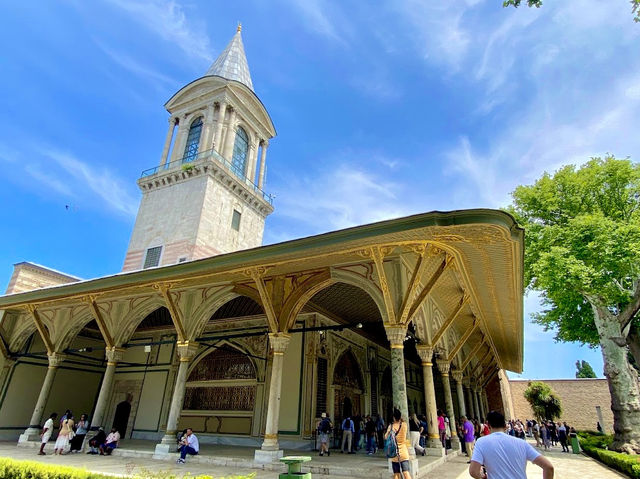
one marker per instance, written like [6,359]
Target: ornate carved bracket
[176,317]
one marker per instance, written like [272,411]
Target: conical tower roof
[232,62]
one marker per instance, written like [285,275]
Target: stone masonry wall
[28,276]
[579,399]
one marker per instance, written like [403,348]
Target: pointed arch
[347,371]
[135,316]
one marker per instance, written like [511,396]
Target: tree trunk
[633,341]
[623,383]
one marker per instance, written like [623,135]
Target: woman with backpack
[324,428]
[396,445]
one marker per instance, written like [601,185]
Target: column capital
[466,382]
[425,353]
[456,374]
[396,335]
[444,366]
[187,350]
[279,342]
[114,354]
[55,359]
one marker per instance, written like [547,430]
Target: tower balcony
[205,161]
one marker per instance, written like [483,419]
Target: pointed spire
[232,62]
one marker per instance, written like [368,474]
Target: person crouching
[190,445]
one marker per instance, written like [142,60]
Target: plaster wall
[579,399]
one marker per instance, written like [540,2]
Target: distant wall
[579,399]
[28,276]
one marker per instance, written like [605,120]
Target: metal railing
[215,156]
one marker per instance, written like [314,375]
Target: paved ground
[568,466]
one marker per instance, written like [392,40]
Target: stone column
[251,164]
[167,142]
[206,138]
[114,356]
[181,138]
[486,402]
[469,400]
[231,137]
[434,446]
[263,163]
[444,366]
[217,139]
[32,433]
[186,352]
[476,404]
[457,377]
[270,449]
[396,336]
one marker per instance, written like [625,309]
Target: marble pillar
[263,163]
[114,356]
[206,139]
[270,450]
[32,433]
[457,377]
[434,446]
[167,142]
[476,404]
[181,139]
[444,366]
[186,352]
[396,335]
[217,138]
[230,139]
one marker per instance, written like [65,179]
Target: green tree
[582,251]
[584,370]
[544,402]
[635,6]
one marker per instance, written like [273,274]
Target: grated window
[235,220]
[153,257]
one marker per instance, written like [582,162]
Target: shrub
[12,469]
[595,446]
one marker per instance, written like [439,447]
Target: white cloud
[90,183]
[136,67]
[341,197]
[167,19]
[317,18]
[51,182]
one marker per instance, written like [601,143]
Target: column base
[455,443]
[31,434]
[166,446]
[266,456]
[434,448]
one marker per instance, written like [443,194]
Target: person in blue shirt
[347,434]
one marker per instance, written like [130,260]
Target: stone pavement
[567,466]
[136,457]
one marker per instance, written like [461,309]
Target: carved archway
[220,396]
[348,384]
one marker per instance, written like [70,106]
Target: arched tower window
[240,150]
[193,141]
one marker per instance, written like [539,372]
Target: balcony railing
[214,156]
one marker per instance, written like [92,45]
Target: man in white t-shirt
[189,445]
[500,456]
[47,430]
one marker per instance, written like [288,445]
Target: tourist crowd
[72,434]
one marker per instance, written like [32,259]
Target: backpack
[324,426]
[391,444]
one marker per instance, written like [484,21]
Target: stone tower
[206,196]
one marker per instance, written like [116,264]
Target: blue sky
[381,112]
